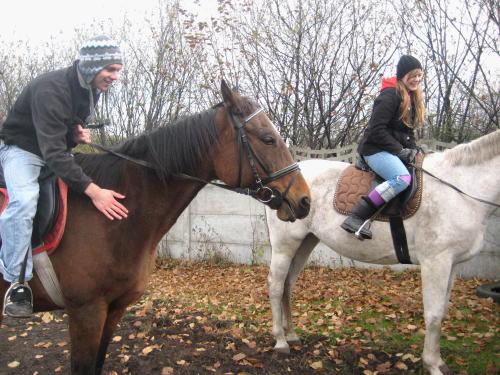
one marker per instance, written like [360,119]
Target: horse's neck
[161,203]
[480,180]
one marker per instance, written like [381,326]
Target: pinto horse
[447,229]
[103,266]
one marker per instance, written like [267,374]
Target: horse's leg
[278,272]
[298,263]
[86,325]
[437,281]
[114,316]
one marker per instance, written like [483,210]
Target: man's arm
[48,109]
[105,201]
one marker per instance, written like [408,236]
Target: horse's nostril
[305,202]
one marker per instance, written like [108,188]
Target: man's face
[105,78]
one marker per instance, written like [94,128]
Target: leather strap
[457,189]
[399,239]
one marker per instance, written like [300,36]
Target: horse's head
[251,154]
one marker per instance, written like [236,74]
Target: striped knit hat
[96,54]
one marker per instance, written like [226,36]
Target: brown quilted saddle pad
[354,183]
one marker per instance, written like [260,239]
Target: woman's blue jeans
[21,170]
[390,168]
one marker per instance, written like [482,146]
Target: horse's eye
[268,140]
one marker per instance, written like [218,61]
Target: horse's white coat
[446,230]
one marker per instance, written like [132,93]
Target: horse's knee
[433,322]
[276,287]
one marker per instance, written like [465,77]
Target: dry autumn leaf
[167,371]
[318,365]
[147,350]
[239,357]
[47,317]
[13,364]
[401,366]
[384,367]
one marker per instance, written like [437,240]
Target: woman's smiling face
[413,79]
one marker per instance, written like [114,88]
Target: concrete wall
[219,224]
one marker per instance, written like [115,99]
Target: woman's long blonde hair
[418,105]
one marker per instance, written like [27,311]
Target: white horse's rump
[446,230]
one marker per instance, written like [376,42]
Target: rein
[145,164]
[264,194]
[456,188]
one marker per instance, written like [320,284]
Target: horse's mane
[171,149]
[476,151]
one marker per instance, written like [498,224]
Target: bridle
[259,189]
[264,194]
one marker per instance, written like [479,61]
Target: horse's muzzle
[291,212]
[304,207]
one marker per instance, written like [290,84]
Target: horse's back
[319,168]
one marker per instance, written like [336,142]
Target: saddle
[50,218]
[358,180]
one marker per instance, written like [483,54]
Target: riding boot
[362,211]
[18,301]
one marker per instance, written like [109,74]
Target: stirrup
[366,225]
[9,290]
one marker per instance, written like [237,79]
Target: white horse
[446,230]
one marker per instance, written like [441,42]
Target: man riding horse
[46,121]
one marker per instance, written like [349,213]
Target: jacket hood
[391,82]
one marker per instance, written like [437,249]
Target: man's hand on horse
[105,201]
[407,155]
[81,135]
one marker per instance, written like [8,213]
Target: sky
[39,20]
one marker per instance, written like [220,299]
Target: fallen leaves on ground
[203,318]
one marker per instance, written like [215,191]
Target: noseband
[264,194]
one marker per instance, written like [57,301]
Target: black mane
[171,149]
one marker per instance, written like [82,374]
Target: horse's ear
[231,98]
[227,94]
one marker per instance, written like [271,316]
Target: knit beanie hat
[96,54]
[406,64]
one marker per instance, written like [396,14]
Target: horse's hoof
[445,370]
[293,341]
[282,349]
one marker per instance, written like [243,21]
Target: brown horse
[103,266]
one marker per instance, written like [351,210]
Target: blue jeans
[21,170]
[390,168]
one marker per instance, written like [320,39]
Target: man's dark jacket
[385,130]
[42,121]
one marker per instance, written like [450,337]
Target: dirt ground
[198,319]
[189,344]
